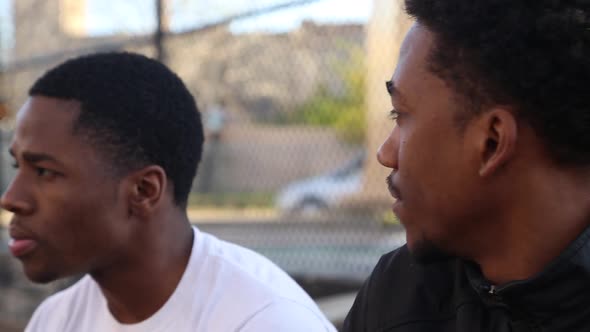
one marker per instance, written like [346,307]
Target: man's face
[68,215]
[433,175]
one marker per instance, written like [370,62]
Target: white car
[310,196]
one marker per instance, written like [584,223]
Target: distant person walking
[214,123]
[215,118]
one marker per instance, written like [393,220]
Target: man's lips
[21,247]
[21,243]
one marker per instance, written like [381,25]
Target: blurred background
[294,107]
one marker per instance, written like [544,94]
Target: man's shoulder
[246,267]
[287,316]
[398,274]
[250,290]
[401,290]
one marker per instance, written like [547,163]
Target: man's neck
[535,231]
[140,284]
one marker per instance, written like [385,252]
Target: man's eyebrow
[394,92]
[390,87]
[35,157]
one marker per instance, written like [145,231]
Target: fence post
[159,34]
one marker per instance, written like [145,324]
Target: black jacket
[403,296]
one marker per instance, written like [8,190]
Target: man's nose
[387,155]
[16,199]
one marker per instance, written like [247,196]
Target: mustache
[16,230]
[393,190]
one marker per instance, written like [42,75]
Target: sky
[106,17]
[326,11]
[136,16]
[5,25]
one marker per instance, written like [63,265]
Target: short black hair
[134,109]
[533,55]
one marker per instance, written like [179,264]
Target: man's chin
[425,252]
[40,277]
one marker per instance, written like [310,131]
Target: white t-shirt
[224,288]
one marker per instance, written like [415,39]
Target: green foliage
[388,218]
[345,111]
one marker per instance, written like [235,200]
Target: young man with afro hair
[490,172]
[106,148]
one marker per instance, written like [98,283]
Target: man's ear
[497,139]
[147,188]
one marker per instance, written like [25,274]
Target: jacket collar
[565,283]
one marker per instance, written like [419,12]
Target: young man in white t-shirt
[106,148]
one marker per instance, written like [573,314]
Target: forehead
[416,87]
[413,58]
[46,125]
[46,122]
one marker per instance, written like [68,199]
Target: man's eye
[14,165]
[43,172]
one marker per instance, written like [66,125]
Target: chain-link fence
[294,107]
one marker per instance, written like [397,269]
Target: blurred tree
[344,111]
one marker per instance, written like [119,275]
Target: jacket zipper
[492,289]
